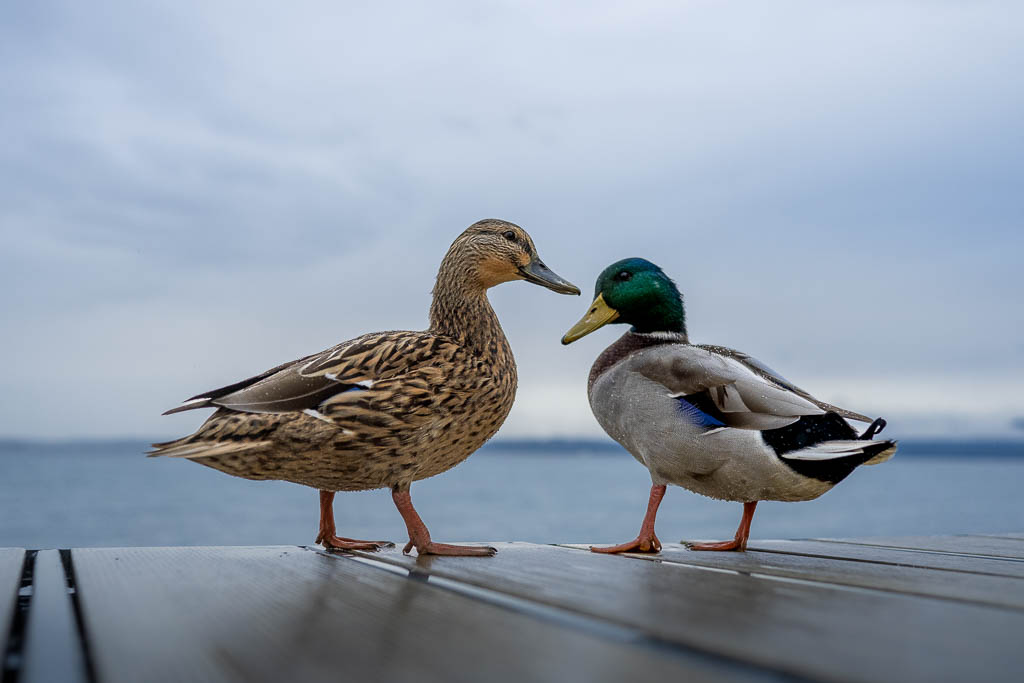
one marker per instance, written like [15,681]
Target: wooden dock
[880,609]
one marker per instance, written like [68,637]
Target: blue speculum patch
[696,415]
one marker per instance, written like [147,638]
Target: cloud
[190,193]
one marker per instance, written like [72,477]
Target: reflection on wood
[274,614]
[908,608]
[757,619]
[991,590]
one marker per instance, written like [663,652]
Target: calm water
[103,494]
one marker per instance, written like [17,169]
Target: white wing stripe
[829,450]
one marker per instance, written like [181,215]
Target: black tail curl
[873,429]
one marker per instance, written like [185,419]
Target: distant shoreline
[931,447]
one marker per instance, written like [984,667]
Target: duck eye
[509,235]
[623,275]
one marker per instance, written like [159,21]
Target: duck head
[493,251]
[636,292]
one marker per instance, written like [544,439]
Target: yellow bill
[599,315]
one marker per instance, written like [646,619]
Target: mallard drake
[387,408]
[708,418]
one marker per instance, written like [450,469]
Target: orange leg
[646,541]
[419,537]
[327,530]
[742,534]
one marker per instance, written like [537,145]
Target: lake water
[108,494]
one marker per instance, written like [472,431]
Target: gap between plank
[13,660]
[76,606]
[884,562]
[919,550]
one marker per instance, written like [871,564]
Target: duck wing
[717,390]
[310,382]
[767,373]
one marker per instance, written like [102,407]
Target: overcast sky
[191,192]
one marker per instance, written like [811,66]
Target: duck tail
[883,454]
[191,448]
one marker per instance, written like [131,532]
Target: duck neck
[667,317]
[460,310]
[657,336]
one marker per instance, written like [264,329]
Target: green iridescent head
[636,292]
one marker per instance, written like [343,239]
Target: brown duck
[387,408]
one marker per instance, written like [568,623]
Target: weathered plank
[799,627]
[894,556]
[52,650]
[960,545]
[999,591]
[285,613]
[11,561]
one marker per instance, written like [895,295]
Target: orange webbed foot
[340,543]
[734,545]
[641,544]
[432,548]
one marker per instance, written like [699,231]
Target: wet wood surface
[906,608]
[959,545]
[273,614]
[963,586]
[892,556]
[725,612]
